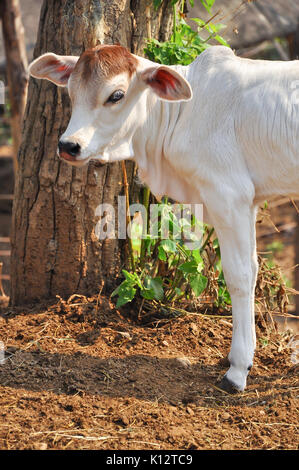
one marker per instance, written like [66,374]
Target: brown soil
[84,376]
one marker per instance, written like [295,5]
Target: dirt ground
[87,376]
[83,375]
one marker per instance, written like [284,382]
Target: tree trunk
[16,68]
[54,247]
[293,40]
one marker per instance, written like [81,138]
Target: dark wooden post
[16,67]
[293,40]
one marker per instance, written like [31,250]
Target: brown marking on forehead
[105,60]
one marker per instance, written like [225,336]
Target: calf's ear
[56,68]
[168,84]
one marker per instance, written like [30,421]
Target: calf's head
[107,87]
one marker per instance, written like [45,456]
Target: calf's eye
[116,96]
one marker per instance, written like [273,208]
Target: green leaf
[153,289]
[157,285]
[198,282]
[208,4]
[189,267]
[132,278]
[197,256]
[129,276]
[221,40]
[169,246]
[198,21]
[161,253]
[148,294]
[192,266]
[126,293]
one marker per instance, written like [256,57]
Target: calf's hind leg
[235,228]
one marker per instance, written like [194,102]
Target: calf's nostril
[71,148]
[74,149]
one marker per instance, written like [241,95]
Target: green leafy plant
[167,269]
[185,43]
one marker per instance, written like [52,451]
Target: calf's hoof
[234,381]
[229,386]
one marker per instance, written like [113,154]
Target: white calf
[231,145]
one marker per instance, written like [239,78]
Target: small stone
[124,334]
[165,343]
[40,446]
[183,361]
[190,411]
[225,416]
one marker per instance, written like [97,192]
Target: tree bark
[54,247]
[16,68]
[293,40]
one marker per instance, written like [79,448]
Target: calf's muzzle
[68,150]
